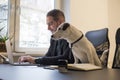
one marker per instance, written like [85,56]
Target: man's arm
[58,50]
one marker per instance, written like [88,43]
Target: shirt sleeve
[58,50]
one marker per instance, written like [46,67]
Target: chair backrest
[116,61]
[118,36]
[97,37]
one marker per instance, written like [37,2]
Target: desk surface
[9,72]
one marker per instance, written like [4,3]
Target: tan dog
[82,48]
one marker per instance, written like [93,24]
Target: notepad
[84,66]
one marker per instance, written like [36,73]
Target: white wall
[89,14]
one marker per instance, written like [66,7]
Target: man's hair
[56,14]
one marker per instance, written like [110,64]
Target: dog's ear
[65,26]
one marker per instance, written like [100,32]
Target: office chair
[99,39]
[116,61]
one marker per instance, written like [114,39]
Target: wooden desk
[8,72]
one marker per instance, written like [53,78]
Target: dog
[82,48]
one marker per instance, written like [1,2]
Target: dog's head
[62,31]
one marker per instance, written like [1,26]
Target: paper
[85,66]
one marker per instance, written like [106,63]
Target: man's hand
[26,59]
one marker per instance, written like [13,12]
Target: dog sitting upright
[81,47]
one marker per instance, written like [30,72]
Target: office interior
[87,15]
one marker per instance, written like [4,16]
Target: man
[59,49]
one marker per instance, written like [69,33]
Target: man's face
[52,25]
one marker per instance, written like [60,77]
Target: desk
[9,72]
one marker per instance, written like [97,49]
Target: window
[31,30]
[3,17]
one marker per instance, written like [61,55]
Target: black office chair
[99,39]
[116,61]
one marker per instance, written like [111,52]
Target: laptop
[11,59]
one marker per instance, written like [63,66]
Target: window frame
[17,49]
[58,4]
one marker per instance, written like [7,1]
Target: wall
[89,14]
[64,5]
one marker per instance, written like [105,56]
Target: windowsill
[23,54]
[15,54]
